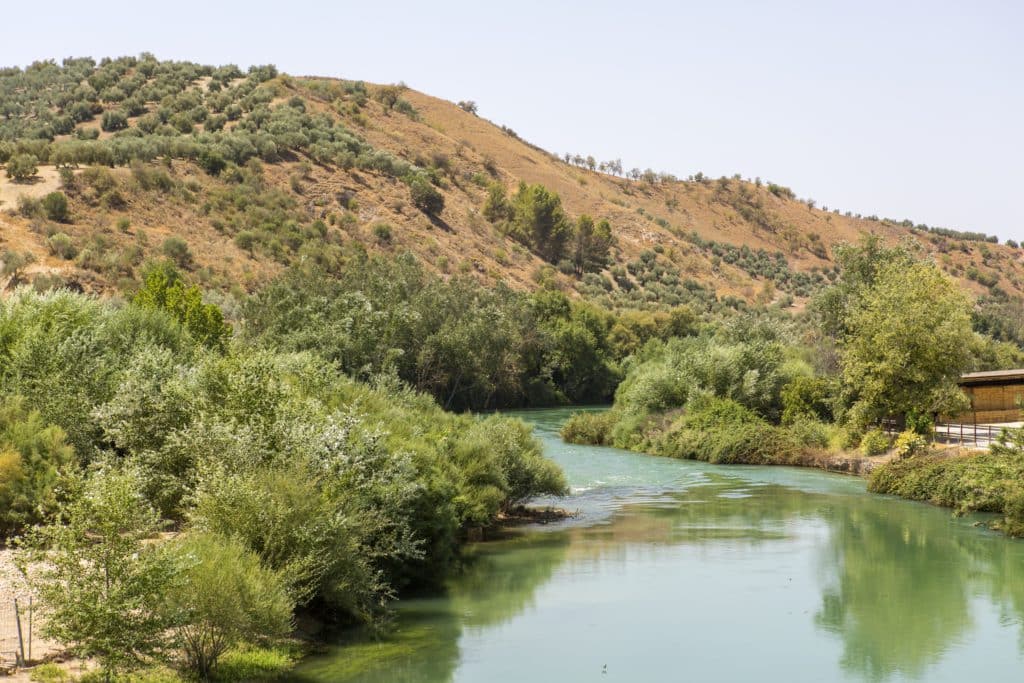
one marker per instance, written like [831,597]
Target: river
[682,571]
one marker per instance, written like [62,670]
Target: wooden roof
[993,377]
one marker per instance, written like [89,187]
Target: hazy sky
[904,109]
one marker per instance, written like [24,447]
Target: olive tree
[22,167]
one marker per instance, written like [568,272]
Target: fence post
[20,660]
[30,612]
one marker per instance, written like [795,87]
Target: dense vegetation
[467,345]
[887,341]
[329,493]
[196,468]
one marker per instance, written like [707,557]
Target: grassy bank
[722,432]
[982,482]
[712,430]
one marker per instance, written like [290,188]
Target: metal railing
[962,433]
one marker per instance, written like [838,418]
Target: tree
[468,106]
[100,587]
[496,207]
[164,289]
[539,221]
[590,245]
[22,167]
[907,340]
[226,597]
[113,119]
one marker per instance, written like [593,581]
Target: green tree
[22,167]
[908,339]
[590,245]
[113,119]
[101,588]
[164,289]
[496,207]
[539,221]
[225,597]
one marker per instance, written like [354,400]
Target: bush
[909,443]
[177,250]
[425,196]
[590,428]
[382,231]
[225,597]
[29,207]
[246,240]
[874,442]
[810,432]
[33,458]
[21,167]
[55,205]
[61,245]
[723,431]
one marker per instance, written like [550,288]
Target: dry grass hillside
[239,227]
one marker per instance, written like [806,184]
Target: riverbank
[947,476]
[976,481]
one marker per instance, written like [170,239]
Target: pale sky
[901,109]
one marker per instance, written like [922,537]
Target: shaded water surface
[681,571]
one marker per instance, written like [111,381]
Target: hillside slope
[336,157]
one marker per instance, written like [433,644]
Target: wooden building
[996,396]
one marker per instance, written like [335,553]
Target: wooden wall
[993,403]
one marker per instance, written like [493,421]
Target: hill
[236,175]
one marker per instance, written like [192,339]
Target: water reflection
[731,577]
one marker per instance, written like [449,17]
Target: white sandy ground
[47,181]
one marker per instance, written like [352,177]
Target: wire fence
[17,614]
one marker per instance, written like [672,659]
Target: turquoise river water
[682,571]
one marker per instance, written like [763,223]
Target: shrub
[246,240]
[29,207]
[589,428]
[164,290]
[722,431]
[61,245]
[810,432]
[177,250]
[468,106]
[909,443]
[874,442]
[55,205]
[33,458]
[382,231]
[226,597]
[21,167]
[212,162]
[425,196]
